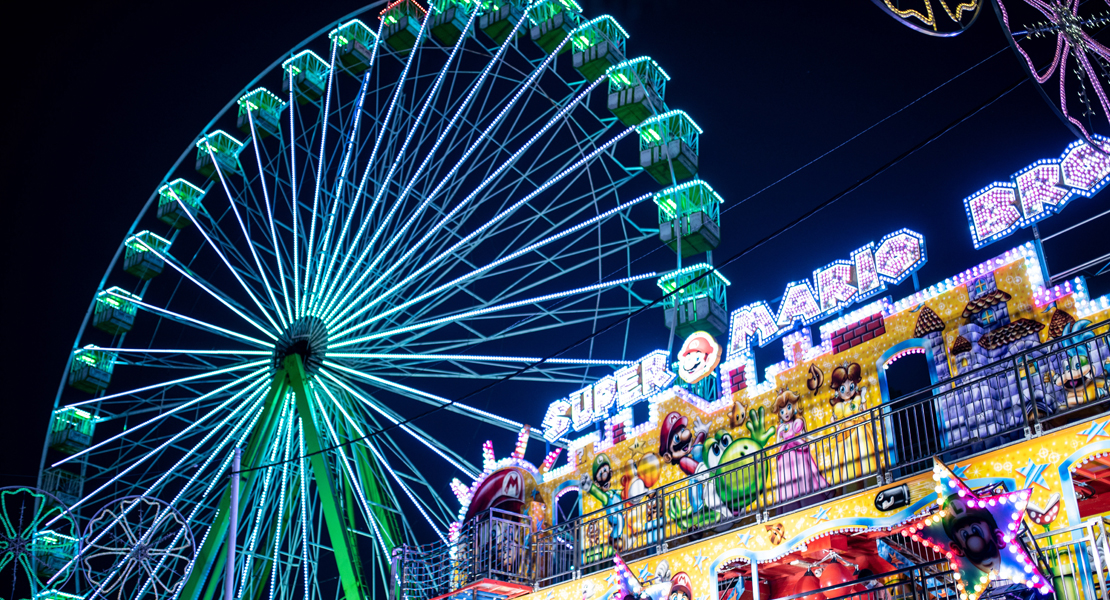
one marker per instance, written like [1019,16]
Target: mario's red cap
[698,344]
[671,421]
[681,583]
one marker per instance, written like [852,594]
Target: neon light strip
[182,317]
[183,272]
[466,239]
[498,262]
[482,311]
[433,397]
[397,422]
[162,415]
[197,352]
[270,216]
[257,363]
[467,357]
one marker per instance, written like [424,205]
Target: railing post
[1031,421]
[662,499]
[576,549]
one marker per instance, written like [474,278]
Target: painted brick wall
[858,333]
[736,379]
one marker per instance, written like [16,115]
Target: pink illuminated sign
[844,282]
[1038,191]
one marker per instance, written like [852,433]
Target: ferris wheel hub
[307,337]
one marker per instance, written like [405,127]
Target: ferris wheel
[411,204]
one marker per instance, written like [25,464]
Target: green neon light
[353,31]
[115,298]
[219,141]
[306,61]
[136,242]
[260,99]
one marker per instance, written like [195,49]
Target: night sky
[104,96]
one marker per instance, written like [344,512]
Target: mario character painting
[678,445]
[698,357]
[680,587]
[599,485]
[975,535]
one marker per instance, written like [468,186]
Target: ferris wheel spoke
[451,457]
[210,290]
[166,384]
[466,202]
[481,311]
[325,107]
[431,96]
[215,247]
[270,221]
[478,338]
[197,423]
[192,322]
[455,283]
[428,398]
[91,543]
[536,72]
[408,492]
[434,261]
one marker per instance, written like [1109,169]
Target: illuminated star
[699,558]
[743,538]
[959,471]
[996,518]
[821,515]
[1095,430]
[1034,474]
[645,573]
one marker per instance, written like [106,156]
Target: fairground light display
[229,422]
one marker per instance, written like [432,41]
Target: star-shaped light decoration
[699,559]
[822,514]
[1034,474]
[1095,430]
[978,535]
[743,538]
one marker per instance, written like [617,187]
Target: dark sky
[101,98]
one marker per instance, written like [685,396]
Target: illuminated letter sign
[629,385]
[842,283]
[1038,191]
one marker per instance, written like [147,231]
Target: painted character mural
[678,445]
[735,483]
[1082,378]
[854,453]
[731,478]
[598,483]
[795,468]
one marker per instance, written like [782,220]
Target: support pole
[755,579]
[232,526]
[1038,245]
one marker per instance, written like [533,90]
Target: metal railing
[493,545]
[1078,560]
[1016,397]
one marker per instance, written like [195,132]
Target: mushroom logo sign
[699,356]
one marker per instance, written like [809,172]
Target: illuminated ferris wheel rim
[311,353]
